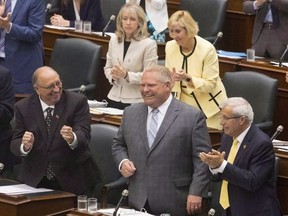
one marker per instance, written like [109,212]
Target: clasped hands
[118,72]
[213,159]
[58,20]
[179,75]
[28,137]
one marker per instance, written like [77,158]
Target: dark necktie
[48,120]
[2,31]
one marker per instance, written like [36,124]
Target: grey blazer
[171,169]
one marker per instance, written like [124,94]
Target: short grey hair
[163,72]
[240,107]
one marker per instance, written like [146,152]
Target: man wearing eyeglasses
[244,164]
[52,135]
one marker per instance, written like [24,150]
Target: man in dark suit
[7,99]
[269,37]
[166,175]
[22,51]
[246,167]
[55,154]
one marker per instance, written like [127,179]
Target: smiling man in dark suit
[165,172]
[55,155]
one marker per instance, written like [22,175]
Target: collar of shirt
[45,106]
[162,111]
[241,137]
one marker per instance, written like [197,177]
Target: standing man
[21,48]
[165,171]
[269,37]
[52,135]
[244,163]
[7,99]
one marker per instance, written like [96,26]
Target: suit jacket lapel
[169,118]
[17,8]
[245,145]
[142,117]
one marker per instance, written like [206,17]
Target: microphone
[48,7]
[1,166]
[282,56]
[123,197]
[277,132]
[211,212]
[82,89]
[219,36]
[112,18]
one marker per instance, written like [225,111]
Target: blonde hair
[185,20]
[141,31]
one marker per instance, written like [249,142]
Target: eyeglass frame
[52,86]
[223,118]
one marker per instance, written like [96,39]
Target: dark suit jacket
[55,9]
[171,169]
[89,10]
[23,45]
[252,187]
[7,99]
[282,8]
[75,169]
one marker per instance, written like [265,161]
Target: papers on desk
[123,212]
[234,55]
[106,33]
[285,64]
[21,189]
[59,27]
[106,110]
[280,145]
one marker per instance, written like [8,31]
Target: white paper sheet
[21,189]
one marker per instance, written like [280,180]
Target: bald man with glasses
[52,135]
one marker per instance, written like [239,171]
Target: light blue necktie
[153,127]
[3,32]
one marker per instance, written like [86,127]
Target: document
[106,110]
[59,27]
[21,189]
[123,212]
[234,55]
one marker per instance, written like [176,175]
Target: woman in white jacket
[156,15]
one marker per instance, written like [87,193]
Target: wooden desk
[48,203]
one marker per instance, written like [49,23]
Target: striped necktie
[224,197]
[153,127]
[2,31]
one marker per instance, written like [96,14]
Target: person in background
[194,64]
[52,133]
[21,48]
[130,52]
[52,7]
[86,10]
[156,16]
[164,169]
[245,163]
[269,37]
[7,99]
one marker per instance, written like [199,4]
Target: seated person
[86,10]
[52,7]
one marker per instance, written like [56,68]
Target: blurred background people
[7,99]
[21,48]
[156,16]
[52,7]
[86,10]
[193,62]
[52,134]
[269,37]
[130,52]
[245,163]
[158,146]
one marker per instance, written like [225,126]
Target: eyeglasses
[224,118]
[52,86]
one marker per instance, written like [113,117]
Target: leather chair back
[259,90]
[100,145]
[210,15]
[78,62]
[111,7]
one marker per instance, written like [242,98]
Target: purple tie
[3,32]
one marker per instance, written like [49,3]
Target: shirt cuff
[74,144]
[22,152]
[219,169]
[120,165]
